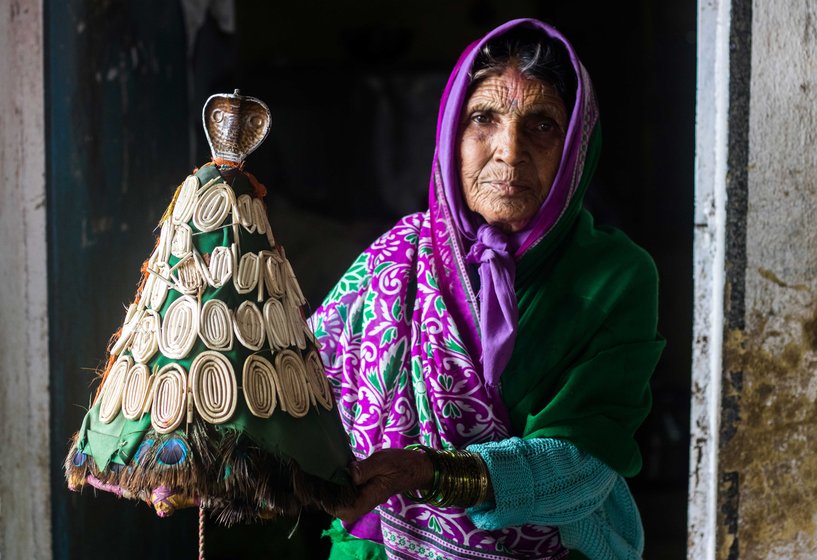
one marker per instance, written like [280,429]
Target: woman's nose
[510,149]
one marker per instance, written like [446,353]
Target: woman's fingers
[371,494]
[384,474]
[389,463]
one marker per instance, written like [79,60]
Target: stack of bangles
[460,478]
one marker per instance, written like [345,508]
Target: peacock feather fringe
[224,471]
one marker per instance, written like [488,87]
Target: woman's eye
[481,118]
[546,125]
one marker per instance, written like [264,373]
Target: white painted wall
[25,498]
[712,106]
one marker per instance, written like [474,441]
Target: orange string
[221,162]
[260,189]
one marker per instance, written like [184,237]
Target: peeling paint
[769,458]
[810,333]
[712,133]
[772,277]
[729,491]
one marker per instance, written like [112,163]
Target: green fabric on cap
[115,442]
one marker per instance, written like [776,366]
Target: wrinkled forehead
[456,90]
[511,91]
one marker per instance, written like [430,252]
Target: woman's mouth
[507,188]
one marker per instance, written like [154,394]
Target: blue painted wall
[117,146]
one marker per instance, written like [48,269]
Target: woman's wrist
[460,478]
[428,473]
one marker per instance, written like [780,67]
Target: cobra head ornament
[235,125]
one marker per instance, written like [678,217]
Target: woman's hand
[384,474]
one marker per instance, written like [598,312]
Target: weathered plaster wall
[767,464]
[25,512]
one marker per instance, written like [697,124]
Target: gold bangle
[481,481]
[460,478]
[429,495]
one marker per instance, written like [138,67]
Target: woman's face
[511,135]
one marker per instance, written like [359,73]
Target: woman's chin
[510,218]
[508,214]
[508,224]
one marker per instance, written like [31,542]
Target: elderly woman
[490,356]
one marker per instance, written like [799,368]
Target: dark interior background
[354,90]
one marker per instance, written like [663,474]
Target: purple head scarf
[494,251]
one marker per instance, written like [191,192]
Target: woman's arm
[546,481]
[537,481]
[540,481]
